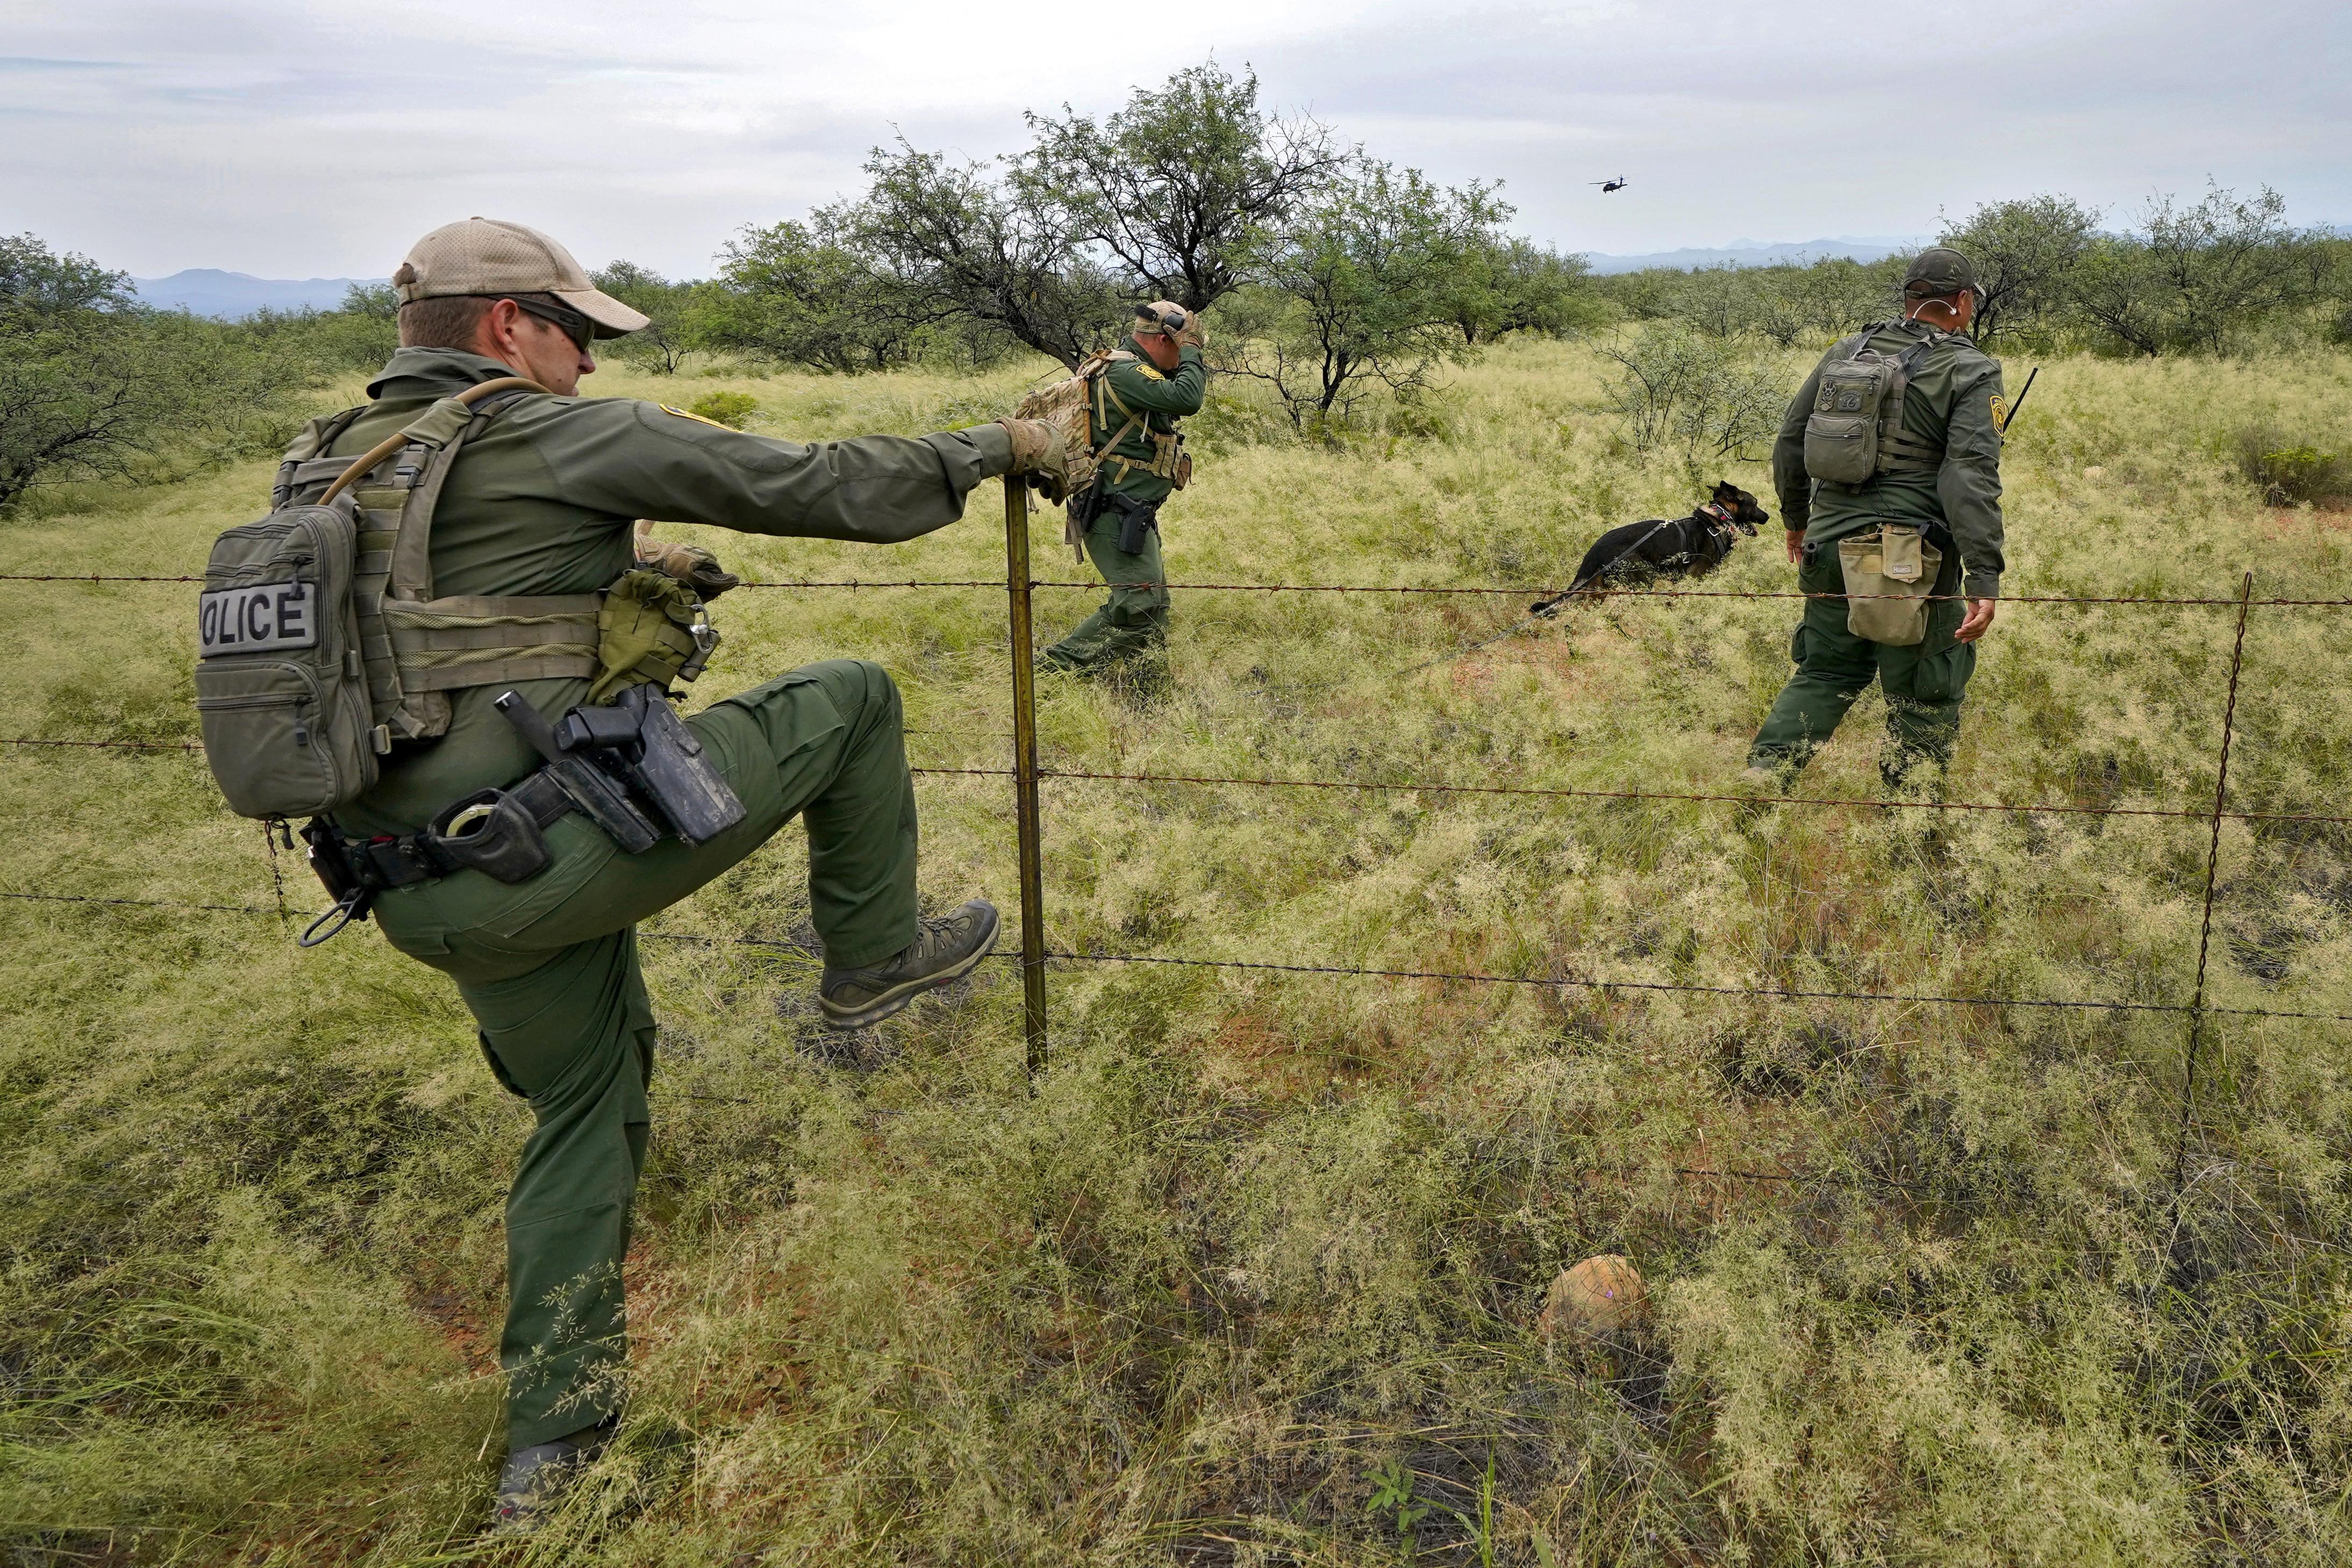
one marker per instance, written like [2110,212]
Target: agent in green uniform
[1935,482]
[541,500]
[1154,378]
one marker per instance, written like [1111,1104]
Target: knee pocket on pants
[1941,677]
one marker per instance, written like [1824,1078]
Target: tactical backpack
[321,644]
[1856,430]
[1073,405]
[1068,406]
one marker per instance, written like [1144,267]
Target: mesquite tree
[1183,185]
[1360,292]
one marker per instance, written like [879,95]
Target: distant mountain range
[1760,253]
[209,291]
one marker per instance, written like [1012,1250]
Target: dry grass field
[1253,1278]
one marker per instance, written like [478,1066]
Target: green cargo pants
[1134,620]
[548,967]
[1923,683]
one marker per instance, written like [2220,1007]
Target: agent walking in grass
[535,514]
[1153,379]
[1888,468]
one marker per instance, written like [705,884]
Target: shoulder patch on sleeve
[1148,373]
[697,419]
[2000,413]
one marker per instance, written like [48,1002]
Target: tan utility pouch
[1889,573]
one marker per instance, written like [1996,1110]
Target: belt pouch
[1881,607]
[498,837]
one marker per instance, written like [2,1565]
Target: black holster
[639,742]
[1135,517]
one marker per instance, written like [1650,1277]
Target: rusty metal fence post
[1024,771]
[2212,877]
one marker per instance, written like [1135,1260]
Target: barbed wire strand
[1539,591]
[1775,992]
[1416,787]
[1410,786]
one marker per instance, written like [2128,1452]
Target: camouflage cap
[485,257]
[1161,319]
[1940,272]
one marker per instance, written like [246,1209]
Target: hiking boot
[536,1478]
[945,950]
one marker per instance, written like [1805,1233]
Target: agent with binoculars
[1138,394]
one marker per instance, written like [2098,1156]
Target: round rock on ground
[1600,1295]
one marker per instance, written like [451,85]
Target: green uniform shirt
[544,497]
[1950,402]
[1160,399]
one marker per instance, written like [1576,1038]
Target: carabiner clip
[706,642]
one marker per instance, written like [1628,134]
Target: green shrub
[733,409]
[2288,471]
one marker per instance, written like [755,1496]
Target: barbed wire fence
[1027,774]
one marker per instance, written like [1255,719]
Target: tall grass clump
[1252,1276]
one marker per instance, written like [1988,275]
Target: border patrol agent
[1154,378]
[540,501]
[1888,468]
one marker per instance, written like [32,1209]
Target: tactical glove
[1195,332]
[1040,456]
[689,564]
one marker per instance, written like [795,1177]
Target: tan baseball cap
[1161,319]
[483,255]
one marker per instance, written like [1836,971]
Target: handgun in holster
[1135,517]
[617,759]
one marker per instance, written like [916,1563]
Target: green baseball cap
[1940,272]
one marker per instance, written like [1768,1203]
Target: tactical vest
[1169,460]
[1078,404]
[1854,433]
[322,644]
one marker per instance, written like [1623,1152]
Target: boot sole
[897,998]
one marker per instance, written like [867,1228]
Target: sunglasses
[575,326]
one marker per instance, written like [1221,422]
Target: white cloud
[293,139]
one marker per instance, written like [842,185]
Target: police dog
[1687,547]
[1644,552]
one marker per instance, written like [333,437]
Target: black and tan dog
[1653,549]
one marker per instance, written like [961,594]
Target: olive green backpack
[1856,430]
[321,644]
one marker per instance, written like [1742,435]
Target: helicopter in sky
[1619,184]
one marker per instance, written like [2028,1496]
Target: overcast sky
[294,140]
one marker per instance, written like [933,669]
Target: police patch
[696,417]
[2000,413]
[1148,373]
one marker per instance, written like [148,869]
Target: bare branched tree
[957,243]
